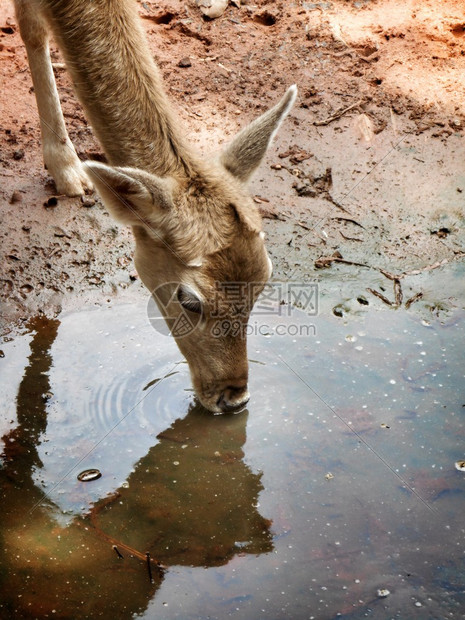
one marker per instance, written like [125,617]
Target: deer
[196,228]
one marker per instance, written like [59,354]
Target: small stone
[383,593]
[51,202]
[15,197]
[184,63]
[87,201]
[89,474]
[212,8]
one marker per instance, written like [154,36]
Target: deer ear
[244,154]
[132,196]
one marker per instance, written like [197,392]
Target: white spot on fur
[196,262]
[270,265]
[292,93]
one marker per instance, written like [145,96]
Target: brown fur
[193,220]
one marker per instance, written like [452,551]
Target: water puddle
[336,494]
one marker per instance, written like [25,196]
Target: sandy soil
[369,164]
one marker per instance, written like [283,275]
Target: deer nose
[233,399]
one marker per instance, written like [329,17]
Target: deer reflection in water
[190,501]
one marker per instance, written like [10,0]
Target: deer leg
[60,158]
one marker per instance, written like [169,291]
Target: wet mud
[369,164]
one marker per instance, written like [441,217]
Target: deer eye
[189,300]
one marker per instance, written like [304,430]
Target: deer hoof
[66,169]
[72,181]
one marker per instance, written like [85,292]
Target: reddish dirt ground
[369,163]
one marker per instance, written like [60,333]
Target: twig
[413,299]
[347,219]
[326,262]
[121,557]
[338,114]
[398,292]
[260,199]
[441,263]
[349,238]
[116,544]
[388,275]
[149,568]
[380,296]
[330,199]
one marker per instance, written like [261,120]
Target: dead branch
[349,238]
[113,541]
[413,299]
[380,296]
[347,219]
[398,295]
[338,114]
[327,261]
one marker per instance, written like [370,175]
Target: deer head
[201,253]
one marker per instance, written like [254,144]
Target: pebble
[89,474]
[383,593]
[212,8]
[51,202]
[15,197]
[87,201]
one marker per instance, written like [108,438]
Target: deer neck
[119,85]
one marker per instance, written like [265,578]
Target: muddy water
[338,481]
